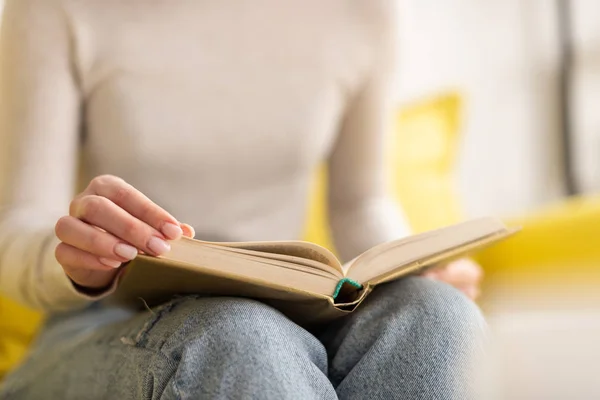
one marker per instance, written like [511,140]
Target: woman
[218,112]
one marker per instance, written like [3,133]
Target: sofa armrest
[552,239]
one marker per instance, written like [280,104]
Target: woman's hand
[464,274]
[108,224]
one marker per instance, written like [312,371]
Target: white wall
[503,56]
[587,93]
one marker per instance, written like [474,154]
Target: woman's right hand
[108,224]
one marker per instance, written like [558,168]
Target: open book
[302,279]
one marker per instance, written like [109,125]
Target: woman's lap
[213,347]
[119,353]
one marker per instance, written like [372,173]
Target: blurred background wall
[503,57]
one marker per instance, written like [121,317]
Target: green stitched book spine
[338,288]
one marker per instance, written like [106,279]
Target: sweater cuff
[63,293]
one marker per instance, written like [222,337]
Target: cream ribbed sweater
[218,110]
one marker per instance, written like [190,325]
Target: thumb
[188,231]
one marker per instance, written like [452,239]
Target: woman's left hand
[464,274]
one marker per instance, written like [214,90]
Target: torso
[218,110]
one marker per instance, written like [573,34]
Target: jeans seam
[159,357]
[141,338]
[175,387]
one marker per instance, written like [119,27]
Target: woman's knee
[230,324]
[220,347]
[427,300]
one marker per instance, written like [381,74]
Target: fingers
[109,224]
[472,292]
[103,213]
[133,202]
[188,230]
[109,249]
[84,268]
[464,274]
[461,272]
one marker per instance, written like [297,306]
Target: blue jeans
[411,339]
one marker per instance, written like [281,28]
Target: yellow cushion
[421,158]
[555,237]
[17,327]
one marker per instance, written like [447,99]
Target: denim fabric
[411,339]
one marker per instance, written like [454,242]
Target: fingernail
[109,262]
[126,251]
[172,231]
[188,230]
[158,246]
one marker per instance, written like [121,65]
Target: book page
[389,257]
[219,260]
[435,259]
[293,248]
[277,258]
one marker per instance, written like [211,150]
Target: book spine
[340,284]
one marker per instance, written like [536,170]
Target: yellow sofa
[17,327]
[554,257]
[421,158]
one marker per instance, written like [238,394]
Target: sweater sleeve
[39,125]
[362,213]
